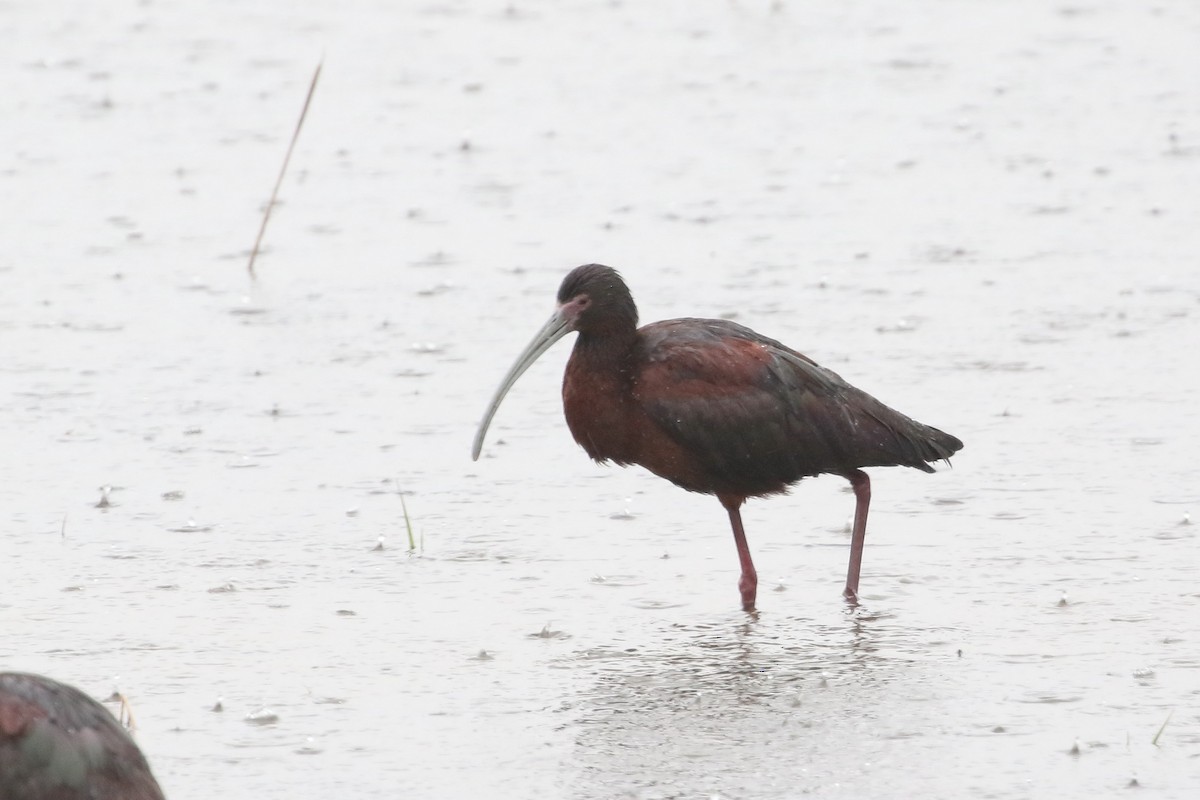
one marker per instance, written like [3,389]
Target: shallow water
[984,215]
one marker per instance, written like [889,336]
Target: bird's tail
[937,445]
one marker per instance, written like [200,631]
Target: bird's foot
[851,596]
[748,586]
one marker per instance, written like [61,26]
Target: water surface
[984,215]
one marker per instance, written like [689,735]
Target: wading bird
[56,743]
[716,408]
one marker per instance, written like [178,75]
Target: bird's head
[592,300]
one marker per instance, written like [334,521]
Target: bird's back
[56,743]
[757,415]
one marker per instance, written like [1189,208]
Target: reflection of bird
[716,408]
[56,743]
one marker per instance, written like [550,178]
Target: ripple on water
[1047,698]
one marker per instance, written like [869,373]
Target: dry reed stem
[262,229]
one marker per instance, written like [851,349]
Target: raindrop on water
[263,716]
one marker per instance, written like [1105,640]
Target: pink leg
[862,496]
[748,583]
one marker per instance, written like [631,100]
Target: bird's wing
[741,403]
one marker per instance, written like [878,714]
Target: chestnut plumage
[56,743]
[716,408]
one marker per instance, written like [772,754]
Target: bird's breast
[597,408]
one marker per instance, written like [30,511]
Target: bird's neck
[597,394]
[606,351]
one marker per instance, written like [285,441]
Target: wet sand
[985,215]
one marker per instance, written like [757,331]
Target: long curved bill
[555,328]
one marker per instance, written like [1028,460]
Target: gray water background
[984,214]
